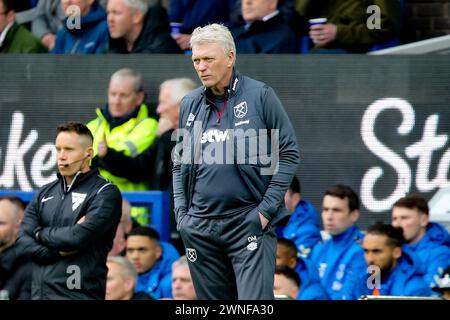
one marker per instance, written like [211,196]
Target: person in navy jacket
[340,256]
[393,270]
[303,226]
[430,241]
[90,36]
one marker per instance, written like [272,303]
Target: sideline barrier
[157,201]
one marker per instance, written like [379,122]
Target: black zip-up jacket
[263,111]
[50,227]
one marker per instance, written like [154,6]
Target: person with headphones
[69,226]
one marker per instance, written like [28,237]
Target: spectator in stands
[85,29]
[69,226]
[287,283]
[152,260]
[264,29]
[182,285]
[443,286]
[15,268]
[340,256]
[15,38]
[311,289]
[192,14]
[303,226]
[395,270]
[430,241]
[139,26]
[121,281]
[49,19]
[124,125]
[347,29]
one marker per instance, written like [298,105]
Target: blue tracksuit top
[310,287]
[157,282]
[405,280]
[337,259]
[303,228]
[434,251]
[92,37]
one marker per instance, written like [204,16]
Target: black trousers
[230,258]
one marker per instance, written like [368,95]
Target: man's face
[336,215]
[284,258]
[213,66]
[122,96]
[284,286]
[5,17]
[254,10]
[71,150]
[377,252]
[117,288]
[142,252]
[412,221]
[291,199]
[167,108]
[9,226]
[120,18]
[83,5]
[182,286]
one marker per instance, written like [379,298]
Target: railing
[157,201]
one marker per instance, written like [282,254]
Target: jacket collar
[230,90]
[77,180]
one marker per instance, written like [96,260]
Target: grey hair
[179,87]
[126,72]
[181,262]
[126,268]
[140,5]
[214,33]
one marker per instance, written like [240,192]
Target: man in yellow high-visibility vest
[124,125]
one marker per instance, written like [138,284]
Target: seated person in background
[339,257]
[15,269]
[139,26]
[347,28]
[443,287]
[264,29]
[303,226]
[395,270]
[311,289]
[196,13]
[286,283]
[124,125]
[126,224]
[15,38]
[121,281]
[152,260]
[182,285]
[90,36]
[430,241]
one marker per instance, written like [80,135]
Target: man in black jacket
[69,226]
[238,156]
[139,27]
